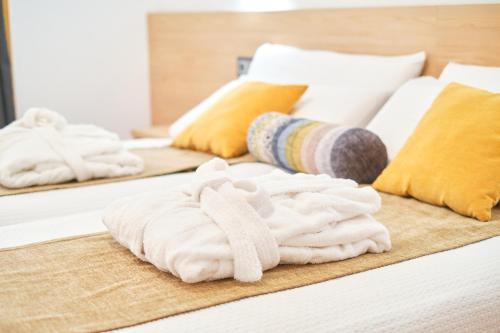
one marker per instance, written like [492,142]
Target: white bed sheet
[22,208]
[453,291]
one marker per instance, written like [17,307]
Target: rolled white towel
[218,227]
[41,148]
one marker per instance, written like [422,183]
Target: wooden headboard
[192,54]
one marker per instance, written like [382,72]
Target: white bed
[455,290]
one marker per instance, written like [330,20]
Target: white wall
[84,58]
[88,59]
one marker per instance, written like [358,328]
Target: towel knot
[239,208]
[42,117]
[48,126]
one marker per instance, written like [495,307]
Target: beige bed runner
[157,161]
[91,283]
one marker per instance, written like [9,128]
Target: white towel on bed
[218,227]
[41,148]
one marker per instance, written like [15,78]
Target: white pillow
[189,117]
[281,63]
[346,105]
[397,119]
[343,89]
[482,77]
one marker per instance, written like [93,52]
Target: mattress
[82,199]
[456,290]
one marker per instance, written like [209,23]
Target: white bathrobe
[218,227]
[41,148]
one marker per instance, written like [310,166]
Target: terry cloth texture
[314,147]
[157,162]
[241,227]
[41,148]
[92,283]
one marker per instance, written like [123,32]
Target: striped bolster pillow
[315,147]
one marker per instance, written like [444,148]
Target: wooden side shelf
[151,132]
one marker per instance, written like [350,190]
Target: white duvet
[41,148]
[218,227]
[455,290]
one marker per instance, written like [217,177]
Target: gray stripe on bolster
[358,154]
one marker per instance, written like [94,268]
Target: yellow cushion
[453,156]
[222,129]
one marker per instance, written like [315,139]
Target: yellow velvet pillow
[453,156]
[222,129]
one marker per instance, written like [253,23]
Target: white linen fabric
[146,143]
[455,290]
[348,105]
[397,119]
[239,228]
[41,148]
[87,198]
[452,291]
[286,64]
[483,77]
[344,89]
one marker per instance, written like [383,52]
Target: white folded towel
[41,148]
[218,227]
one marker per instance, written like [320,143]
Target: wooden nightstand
[151,132]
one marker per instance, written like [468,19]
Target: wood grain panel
[192,54]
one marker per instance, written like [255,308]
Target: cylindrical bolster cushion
[315,147]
